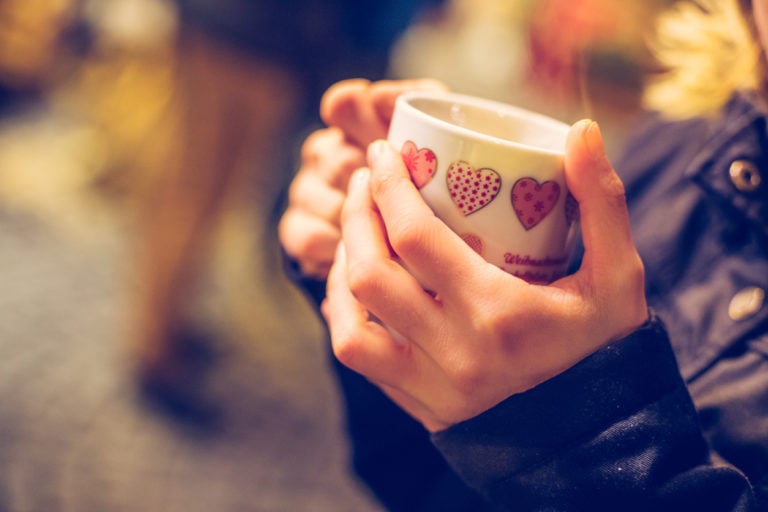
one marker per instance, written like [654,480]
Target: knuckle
[315,269]
[383,184]
[363,279]
[320,244]
[312,250]
[341,88]
[296,189]
[335,160]
[634,272]
[345,348]
[407,239]
[290,233]
[285,233]
[348,158]
[636,267]
[499,327]
[309,250]
[467,374]
[312,144]
[614,189]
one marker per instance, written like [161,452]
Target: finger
[309,240]
[438,258]
[602,202]
[385,92]
[376,280]
[358,342]
[332,157]
[346,105]
[310,193]
[363,109]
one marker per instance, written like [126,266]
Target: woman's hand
[483,334]
[357,112]
[309,229]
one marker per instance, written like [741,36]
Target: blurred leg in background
[234,111]
[248,82]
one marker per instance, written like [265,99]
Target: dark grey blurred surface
[74,435]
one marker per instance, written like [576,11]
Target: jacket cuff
[533,427]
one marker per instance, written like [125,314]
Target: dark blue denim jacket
[619,431]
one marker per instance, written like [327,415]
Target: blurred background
[153,357]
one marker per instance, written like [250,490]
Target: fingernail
[594,139]
[360,178]
[375,150]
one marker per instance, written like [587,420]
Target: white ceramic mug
[494,174]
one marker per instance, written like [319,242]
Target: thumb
[602,202]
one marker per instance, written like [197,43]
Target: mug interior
[496,120]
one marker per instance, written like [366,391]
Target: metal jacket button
[745,175]
[746,303]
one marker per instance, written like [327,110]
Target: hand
[357,112]
[483,334]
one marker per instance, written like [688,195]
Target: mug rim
[404,101]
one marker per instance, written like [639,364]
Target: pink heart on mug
[474,241]
[421,163]
[471,188]
[532,201]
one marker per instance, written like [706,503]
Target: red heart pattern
[471,188]
[421,163]
[474,241]
[532,201]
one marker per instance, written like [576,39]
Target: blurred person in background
[249,76]
[32,33]
[573,396]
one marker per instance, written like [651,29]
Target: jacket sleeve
[618,431]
